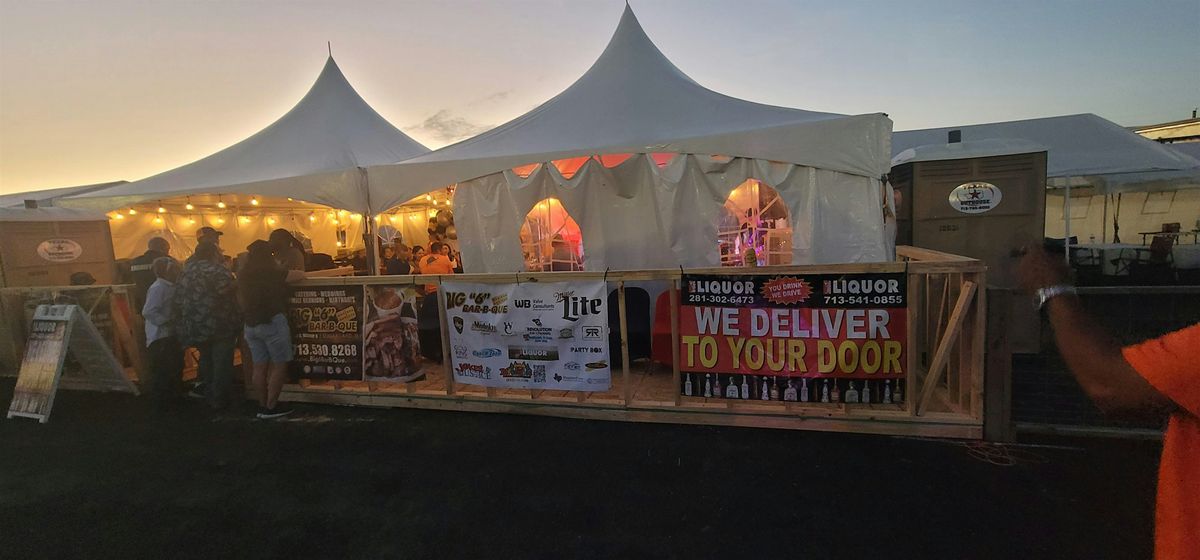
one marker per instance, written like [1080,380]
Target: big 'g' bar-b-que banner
[327,332]
[534,335]
[816,337]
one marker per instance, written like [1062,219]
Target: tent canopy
[47,197]
[634,100]
[642,212]
[311,153]
[1083,148]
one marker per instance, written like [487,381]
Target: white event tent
[1081,150]
[632,104]
[315,153]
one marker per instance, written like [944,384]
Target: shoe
[197,391]
[277,412]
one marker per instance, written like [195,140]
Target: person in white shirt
[166,354]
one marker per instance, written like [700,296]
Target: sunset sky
[106,90]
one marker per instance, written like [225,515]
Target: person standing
[166,355]
[289,252]
[207,318]
[263,293]
[437,262]
[396,263]
[142,268]
[1160,377]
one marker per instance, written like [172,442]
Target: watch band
[1050,292]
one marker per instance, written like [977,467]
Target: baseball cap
[206,231]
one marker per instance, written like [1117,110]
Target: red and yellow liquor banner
[766,337]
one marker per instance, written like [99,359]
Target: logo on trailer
[59,250]
[593,332]
[486,353]
[975,197]
[458,324]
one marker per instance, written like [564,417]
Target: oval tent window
[975,198]
[59,250]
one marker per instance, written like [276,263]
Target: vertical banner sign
[806,338]
[327,331]
[535,335]
[45,351]
[392,350]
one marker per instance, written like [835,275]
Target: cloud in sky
[446,126]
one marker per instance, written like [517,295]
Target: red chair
[660,337]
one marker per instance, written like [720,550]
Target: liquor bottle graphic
[717,386]
[764,390]
[731,390]
[687,385]
[745,388]
[789,394]
[866,392]
[708,385]
[774,394]
[887,392]
[836,394]
[825,390]
[898,394]
[851,394]
[804,390]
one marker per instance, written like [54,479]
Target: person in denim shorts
[262,290]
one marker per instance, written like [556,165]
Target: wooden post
[675,375]
[626,385]
[915,344]
[997,393]
[444,325]
[979,332]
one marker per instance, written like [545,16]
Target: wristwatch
[1050,292]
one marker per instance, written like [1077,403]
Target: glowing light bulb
[435,203]
[270,221]
[157,220]
[244,219]
[132,212]
[312,217]
[342,213]
[289,199]
[334,221]
[428,197]
[356,216]
[339,243]
[119,217]
[161,210]
[254,201]
[192,221]
[220,221]
[392,218]
[221,204]
[189,206]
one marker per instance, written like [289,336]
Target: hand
[1039,269]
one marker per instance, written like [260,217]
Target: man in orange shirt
[1157,376]
[437,262]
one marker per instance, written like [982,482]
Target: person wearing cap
[208,234]
[206,317]
[263,293]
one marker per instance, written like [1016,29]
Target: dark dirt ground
[105,479]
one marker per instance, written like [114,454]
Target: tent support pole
[1104,221]
[1067,219]
[369,228]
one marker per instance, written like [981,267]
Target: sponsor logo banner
[546,335]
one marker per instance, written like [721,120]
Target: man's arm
[1092,354]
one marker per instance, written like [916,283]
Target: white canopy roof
[47,197]
[312,153]
[634,100]
[1087,147]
